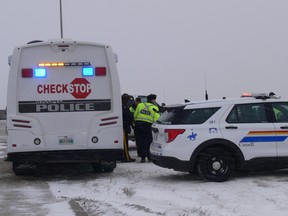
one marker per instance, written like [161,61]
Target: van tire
[23,168]
[104,166]
[216,164]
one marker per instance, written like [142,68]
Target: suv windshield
[179,115]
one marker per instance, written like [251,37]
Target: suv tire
[216,164]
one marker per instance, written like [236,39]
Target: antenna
[206,94]
[61,22]
[164,95]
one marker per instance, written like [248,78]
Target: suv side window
[280,110]
[247,113]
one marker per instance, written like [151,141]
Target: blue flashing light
[40,72]
[87,71]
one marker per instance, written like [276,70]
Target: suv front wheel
[216,164]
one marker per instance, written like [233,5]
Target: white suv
[215,138]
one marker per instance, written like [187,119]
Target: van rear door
[64,93]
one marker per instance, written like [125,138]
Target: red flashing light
[100,71]
[246,94]
[171,134]
[27,72]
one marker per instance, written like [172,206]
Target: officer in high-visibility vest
[144,116]
[135,104]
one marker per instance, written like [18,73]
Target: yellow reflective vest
[132,110]
[146,112]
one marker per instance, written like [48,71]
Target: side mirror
[116,57]
[9,59]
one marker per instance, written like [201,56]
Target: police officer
[135,104]
[144,116]
[127,123]
[132,110]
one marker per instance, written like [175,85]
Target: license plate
[66,139]
[156,147]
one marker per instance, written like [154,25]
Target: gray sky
[166,47]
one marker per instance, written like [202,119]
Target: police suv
[64,105]
[216,138]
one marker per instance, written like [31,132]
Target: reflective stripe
[126,153]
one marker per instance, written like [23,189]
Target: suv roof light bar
[260,95]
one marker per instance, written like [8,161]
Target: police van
[64,105]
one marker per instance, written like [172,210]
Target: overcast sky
[166,47]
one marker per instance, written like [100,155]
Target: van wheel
[216,164]
[23,168]
[104,166]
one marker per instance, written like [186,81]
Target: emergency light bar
[51,64]
[62,64]
[246,94]
[41,71]
[260,95]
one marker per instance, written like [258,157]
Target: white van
[64,105]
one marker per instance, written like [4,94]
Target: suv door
[280,110]
[247,126]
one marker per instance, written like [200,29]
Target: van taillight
[27,72]
[40,72]
[100,71]
[87,71]
[171,134]
[37,72]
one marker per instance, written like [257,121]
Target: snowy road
[138,189]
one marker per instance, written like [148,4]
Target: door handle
[231,127]
[284,127]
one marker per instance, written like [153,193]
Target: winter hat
[125,98]
[151,97]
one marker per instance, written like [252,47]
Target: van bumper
[66,156]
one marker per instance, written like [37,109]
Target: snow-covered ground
[145,189]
